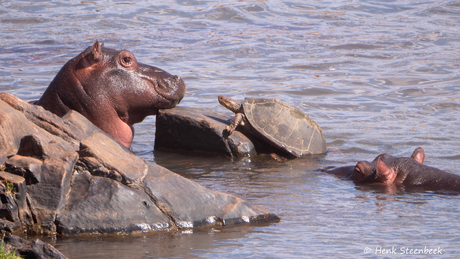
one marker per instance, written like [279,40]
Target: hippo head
[112,90]
[385,168]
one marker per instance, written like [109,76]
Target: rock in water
[66,176]
[33,248]
[199,131]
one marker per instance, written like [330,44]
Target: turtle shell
[285,127]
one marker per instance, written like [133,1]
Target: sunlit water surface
[377,76]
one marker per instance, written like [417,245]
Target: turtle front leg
[237,120]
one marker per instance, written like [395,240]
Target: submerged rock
[65,176]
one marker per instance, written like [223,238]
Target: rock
[65,176]
[101,205]
[29,249]
[12,197]
[199,131]
[114,157]
[191,205]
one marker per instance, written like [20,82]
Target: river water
[377,76]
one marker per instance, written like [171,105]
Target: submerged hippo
[407,172]
[112,90]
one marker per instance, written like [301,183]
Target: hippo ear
[419,155]
[382,168]
[96,51]
[90,56]
[385,174]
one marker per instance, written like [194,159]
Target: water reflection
[159,245]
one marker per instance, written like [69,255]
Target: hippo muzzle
[170,88]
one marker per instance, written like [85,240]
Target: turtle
[286,128]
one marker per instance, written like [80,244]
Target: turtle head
[230,104]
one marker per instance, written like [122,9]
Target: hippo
[112,90]
[407,172]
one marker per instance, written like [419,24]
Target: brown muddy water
[377,76]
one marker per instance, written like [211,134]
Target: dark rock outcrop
[32,249]
[199,131]
[65,176]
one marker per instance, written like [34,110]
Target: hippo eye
[127,59]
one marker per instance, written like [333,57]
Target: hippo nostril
[177,80]
[166,84]
[171,88]
[173,82]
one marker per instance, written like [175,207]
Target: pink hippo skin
[112,90]
[404,172]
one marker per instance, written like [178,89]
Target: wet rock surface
[65,176]
[199,131]
[29,249]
